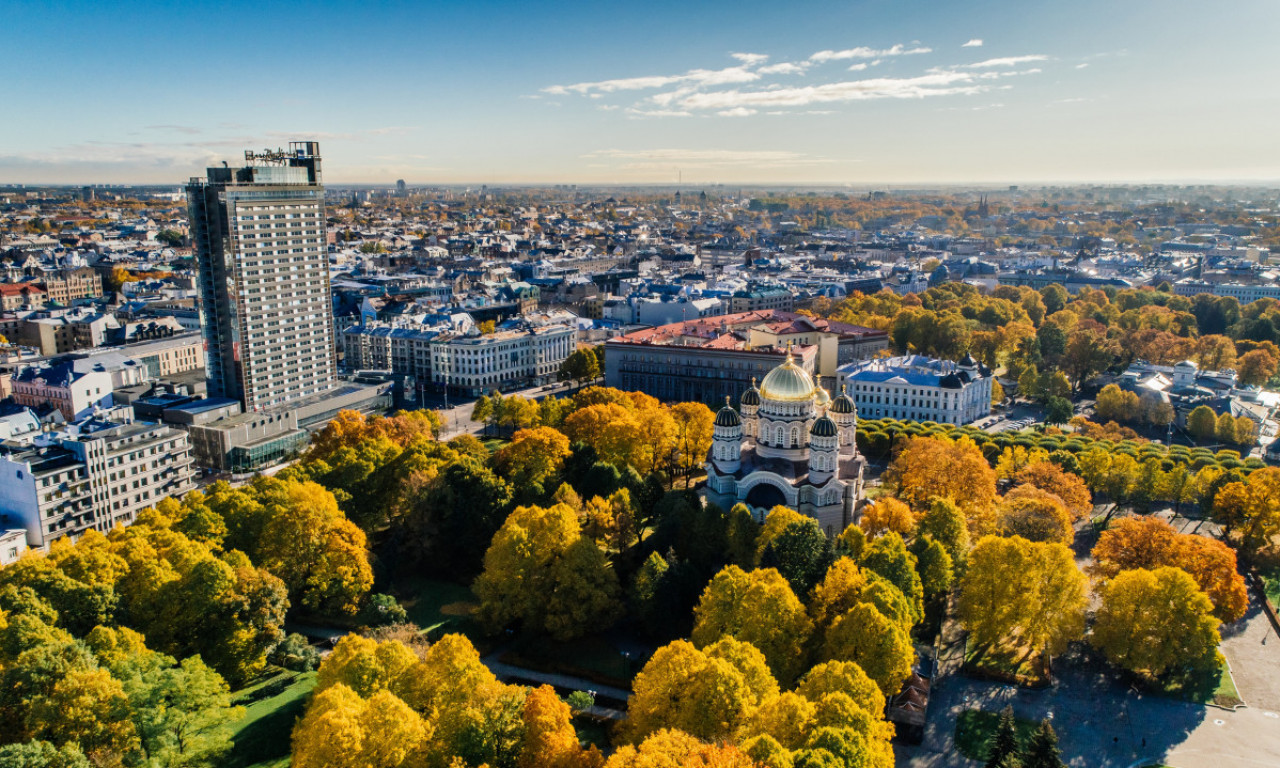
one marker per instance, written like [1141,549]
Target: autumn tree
[759,608]
[1022,593]
[1148,542]
[1257,367]
[1067,486]
[880,647]
[1035,515]
[887,514]
[705,693]
[1154,620]
[1251,508]
[1088,352]
[935,467]
[342,728]
[543,574]
[1202,422]
[533,457]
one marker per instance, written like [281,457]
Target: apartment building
[75,390]
[92,475]
[67,285]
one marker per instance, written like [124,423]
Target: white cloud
[737,112]
[632,111]
[858,67]
[702,77]
[1081,66]
[974,43]
[933,84]
[750,59]
[785,68]
[1007,61]
[863,52]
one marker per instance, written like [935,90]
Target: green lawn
[975,729]
[1271,581]
[1200,687]
[436,606]
[271,708]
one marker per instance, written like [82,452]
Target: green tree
[581,365]
[1058,411]
[1202,422]
[1004,745]
[1042,750]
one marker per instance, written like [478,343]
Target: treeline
[1082,335]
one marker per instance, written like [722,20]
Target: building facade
[93,475]
[790,445]
[506,359]
[713,358]
[918,388]
[263,285]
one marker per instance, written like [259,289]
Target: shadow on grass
[1006,664]
[272,707]
[975,729]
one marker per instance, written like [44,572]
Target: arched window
[780,437]
[795,437]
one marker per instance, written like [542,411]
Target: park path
[1103,724]
[511,672]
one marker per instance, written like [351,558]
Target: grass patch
[437,607]
[1005,664]
[272,706]
[593,731]
[494,443]
[975,729]
[1271,584]
[1213,686]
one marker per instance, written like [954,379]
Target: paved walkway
[562,682]
[1103,725]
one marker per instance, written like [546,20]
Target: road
[457,417]
[1101,724]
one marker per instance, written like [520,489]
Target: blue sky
[859,93]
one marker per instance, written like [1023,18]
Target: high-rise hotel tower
[266,312]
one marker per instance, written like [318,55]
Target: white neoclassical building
[918,388]
[791,445]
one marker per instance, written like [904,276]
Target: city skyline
[497,92]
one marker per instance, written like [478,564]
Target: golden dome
[787,382]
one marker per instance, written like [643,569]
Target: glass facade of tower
[266,312]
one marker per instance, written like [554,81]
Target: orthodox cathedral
[791,445]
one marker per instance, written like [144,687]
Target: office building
[266,312]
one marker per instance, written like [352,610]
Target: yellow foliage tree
[1022,593]
[875,643]
[541,571]
[757,608]
[1034,515]
[888,514]
[340,728]
[937,467]
[1151,621]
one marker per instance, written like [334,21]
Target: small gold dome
[787,382]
